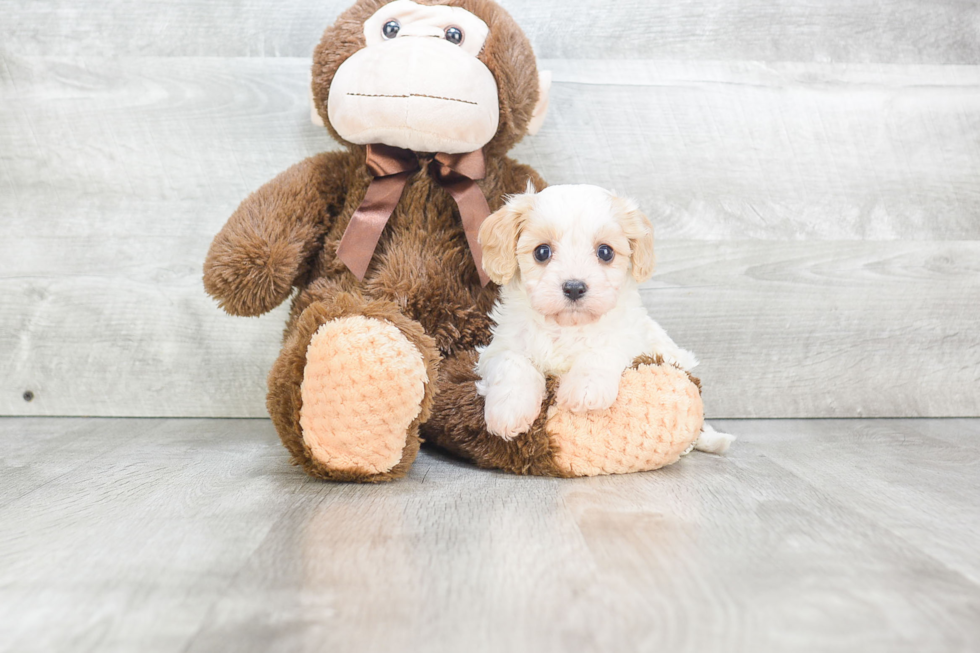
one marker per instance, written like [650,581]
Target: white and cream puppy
[569,261]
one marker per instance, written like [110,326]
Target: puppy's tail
[712,441]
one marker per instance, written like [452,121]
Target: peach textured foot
[657,415]
[362,388]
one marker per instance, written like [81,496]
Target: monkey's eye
[390,30]
[605,253]
[542,253]
[454,35]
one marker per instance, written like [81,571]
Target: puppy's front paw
[594,391]
[509,415]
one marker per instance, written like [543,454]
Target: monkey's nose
[574,289]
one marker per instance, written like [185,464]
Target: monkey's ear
[541,108]
[638,228]
[314,114]
[498,238]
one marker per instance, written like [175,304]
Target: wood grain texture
[712,151]
[867,31]
[741,150]
[196,535]
[733,150]
[115,174]
[826,329]
[896,484]
[782,329]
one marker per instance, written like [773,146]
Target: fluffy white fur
[539,330]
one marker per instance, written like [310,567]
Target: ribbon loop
[391,168]
[471,165]
[385,160]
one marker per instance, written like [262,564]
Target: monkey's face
[418,82]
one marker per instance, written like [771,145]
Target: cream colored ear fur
[498,237]
[639,230]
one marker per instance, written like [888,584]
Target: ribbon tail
[473,210]
[368,222]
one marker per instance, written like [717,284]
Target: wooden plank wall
[812,169]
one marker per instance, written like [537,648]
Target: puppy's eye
[542,253]
[605,253]
[454,35]
[391,28]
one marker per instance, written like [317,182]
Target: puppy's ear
[639,230]
[499,234]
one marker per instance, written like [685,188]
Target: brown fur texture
[462,430]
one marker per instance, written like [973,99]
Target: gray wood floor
[196,535]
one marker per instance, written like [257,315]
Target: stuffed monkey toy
[378,241]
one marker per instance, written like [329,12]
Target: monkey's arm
[269,240]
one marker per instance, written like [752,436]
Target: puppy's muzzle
[574,289]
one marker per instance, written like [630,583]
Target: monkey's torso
[422,262]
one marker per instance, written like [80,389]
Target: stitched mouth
[409,95]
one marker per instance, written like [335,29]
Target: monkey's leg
[458,426]
[353,382]
[657,415]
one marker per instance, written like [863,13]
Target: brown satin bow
[391,167]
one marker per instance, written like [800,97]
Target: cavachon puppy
[569,261]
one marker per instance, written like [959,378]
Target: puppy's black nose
[574,289]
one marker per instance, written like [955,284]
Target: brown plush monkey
[379,240]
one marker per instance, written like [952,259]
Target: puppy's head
[571,247]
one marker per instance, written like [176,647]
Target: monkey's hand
[269,240]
